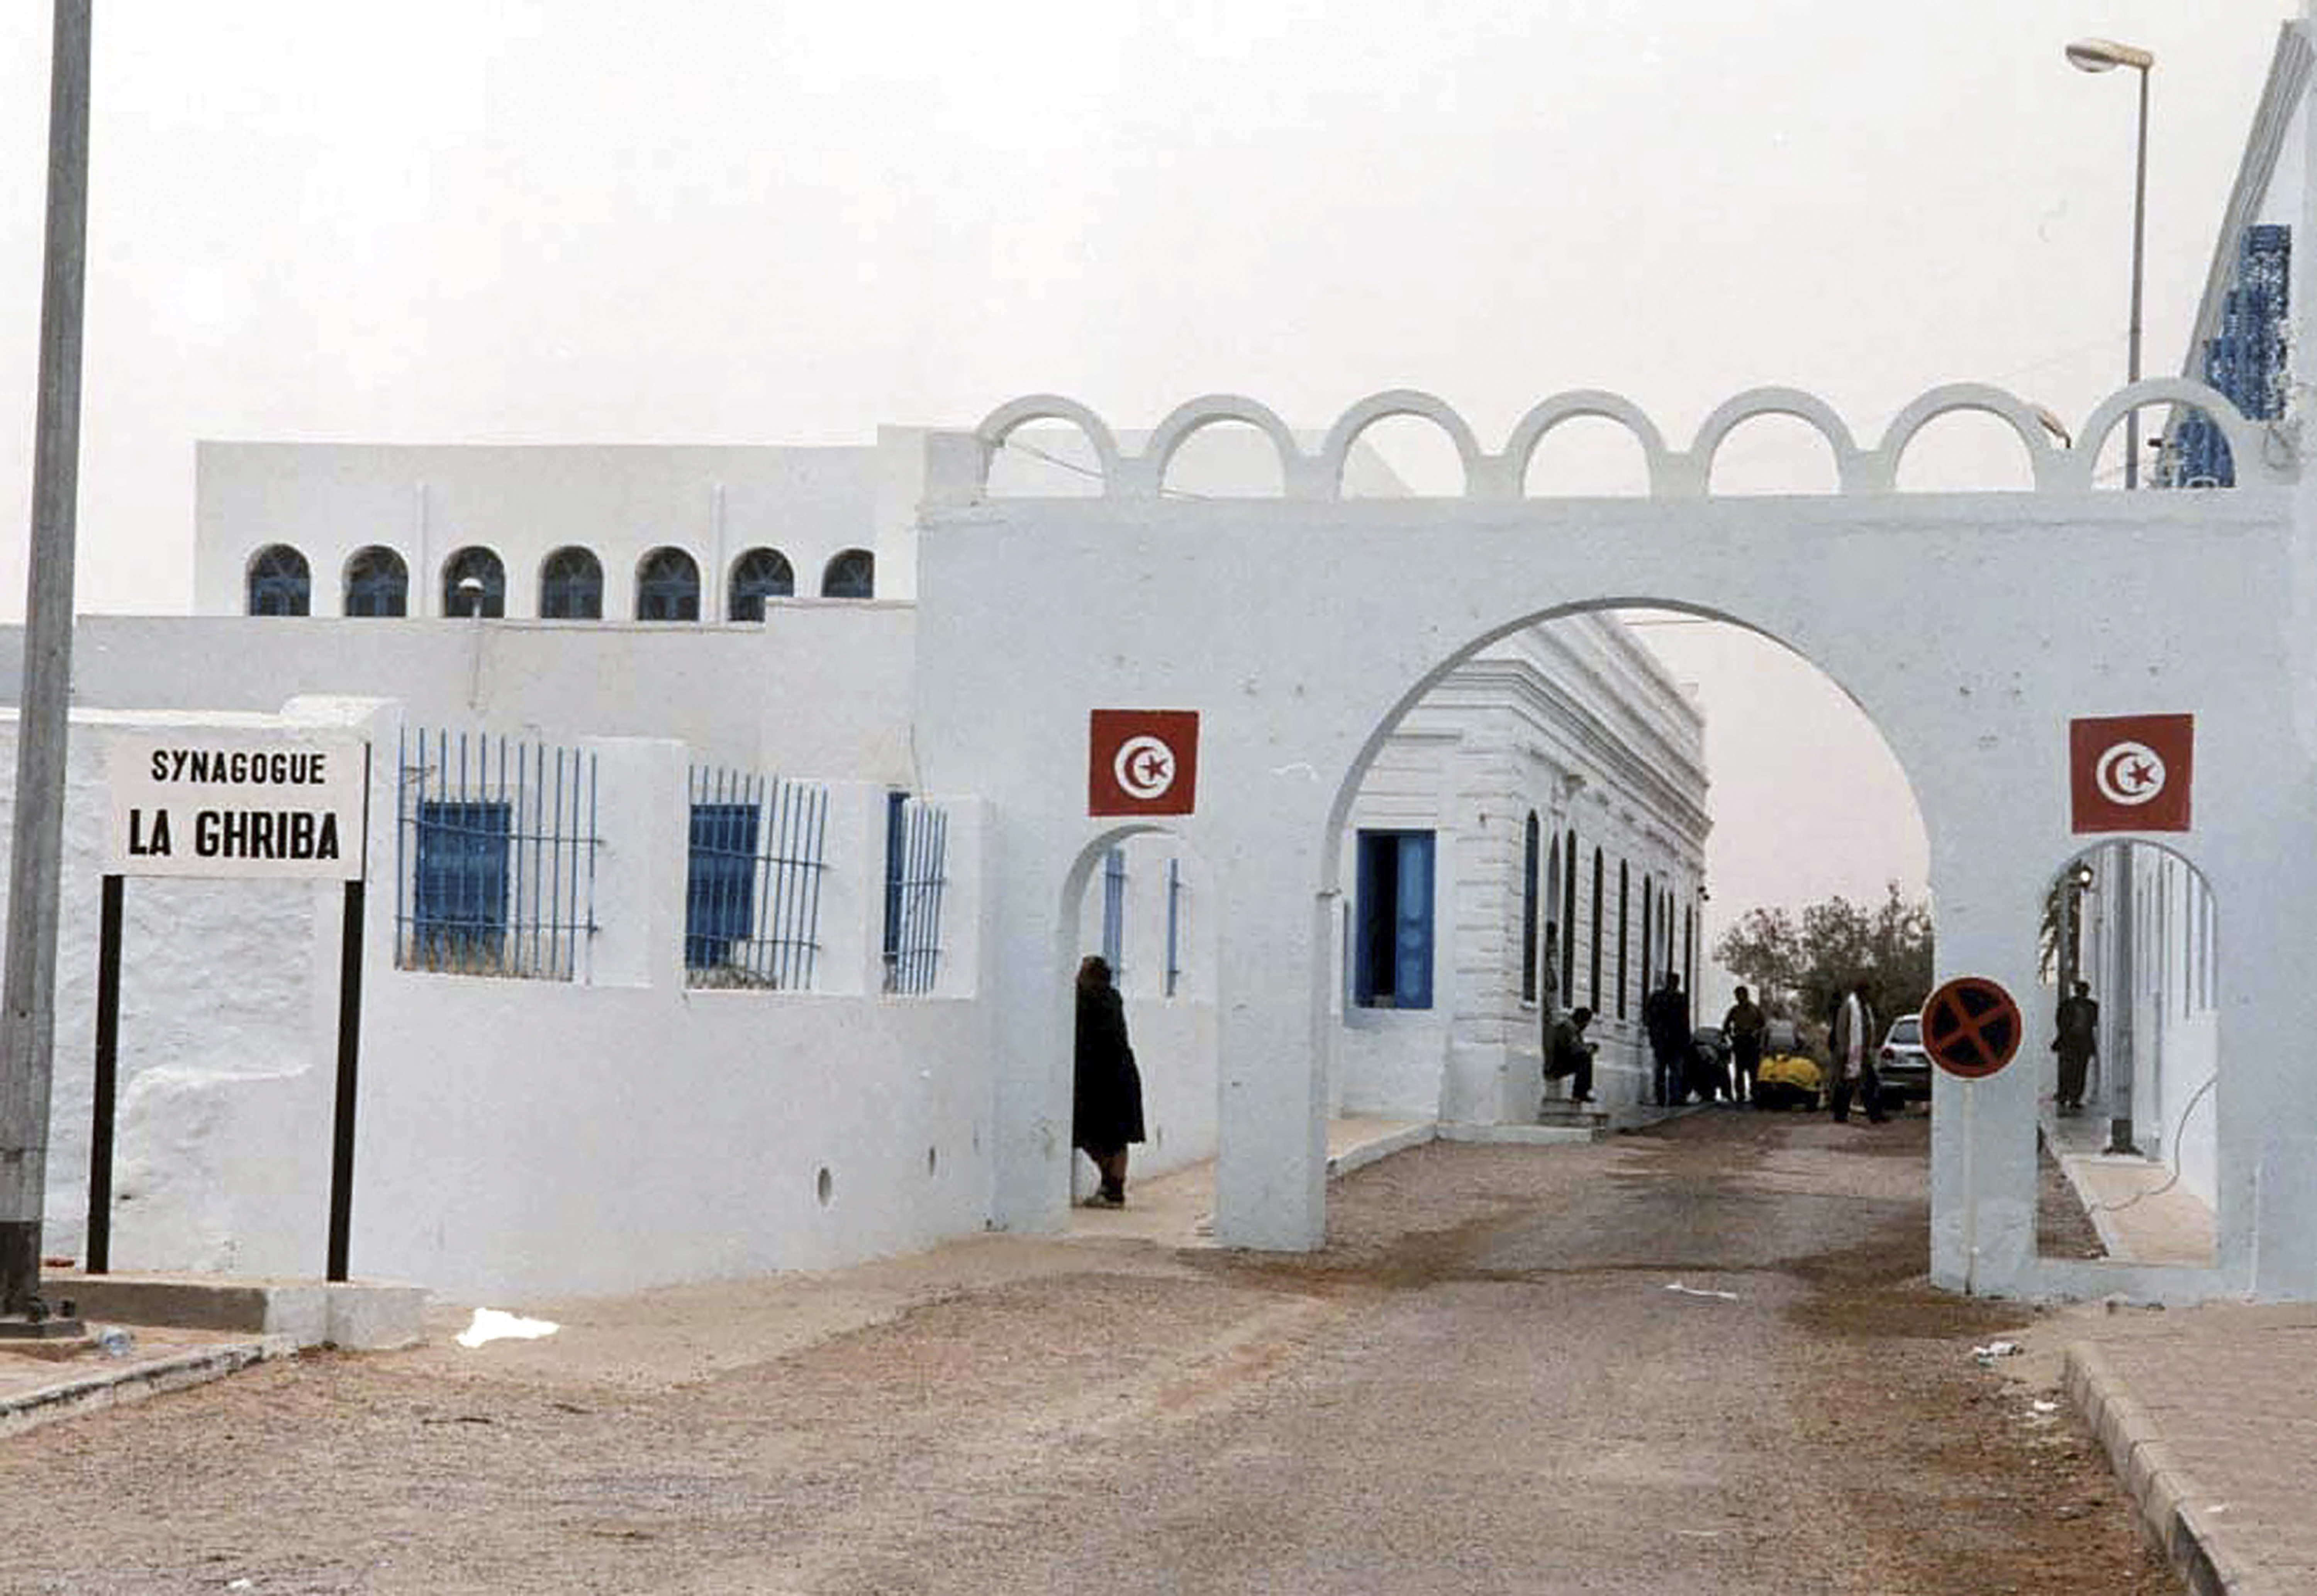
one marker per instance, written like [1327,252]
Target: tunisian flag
[2131,772]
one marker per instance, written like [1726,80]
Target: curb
[1362,1154]
[2155,1480]
[134,1382]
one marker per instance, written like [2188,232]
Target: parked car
[1901,1062]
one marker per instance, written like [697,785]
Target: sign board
[2131,772]
[1971,1027]
[249,805]
[1142,762]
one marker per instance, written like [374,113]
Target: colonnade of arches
[668,585]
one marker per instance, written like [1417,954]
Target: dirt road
[1483,1384]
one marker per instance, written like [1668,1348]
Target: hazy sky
[740,221]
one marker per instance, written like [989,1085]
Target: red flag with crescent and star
[2131,772]
[1142,762]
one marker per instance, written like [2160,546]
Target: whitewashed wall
[227,1035]
[821,688]
[518,1136]
[1977,715]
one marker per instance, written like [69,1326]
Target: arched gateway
[1971,627]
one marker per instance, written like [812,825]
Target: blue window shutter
[459,882]
[1113,913]
[718,900]
[1371,931]
[896,834]
[1412,929]
[1174,924]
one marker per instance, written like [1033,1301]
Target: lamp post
[2105,55]
[28,1006]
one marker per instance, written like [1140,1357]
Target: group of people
[1679,1069]
[1665,1019]
[1106,1111]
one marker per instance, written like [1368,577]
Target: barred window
[752,896]
[916,848]
[495,853]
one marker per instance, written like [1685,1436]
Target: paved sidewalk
[35,1390]
[2139,1207]
[2210,1417]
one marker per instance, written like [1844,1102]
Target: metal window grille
[1114,913]
[752,893]
[1174,925]
[495,856]
[916,852]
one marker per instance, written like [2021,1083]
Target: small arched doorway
[2125,1040]
[1145,901]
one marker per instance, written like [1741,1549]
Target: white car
[1904,1067]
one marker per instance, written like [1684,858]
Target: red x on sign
[1142,762]
[1971,1027]
[2130,772]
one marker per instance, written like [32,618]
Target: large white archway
[1297,626]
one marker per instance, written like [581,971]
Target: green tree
[1798,965]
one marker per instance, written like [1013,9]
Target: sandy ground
[1483,1384]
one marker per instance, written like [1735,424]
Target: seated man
[1568,1054]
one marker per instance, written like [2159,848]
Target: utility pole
[27,1002]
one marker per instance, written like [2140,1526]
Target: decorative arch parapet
[959,474]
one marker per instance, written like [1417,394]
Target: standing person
[2077,1041]
[1665,1017]
[1744,1025]
[1107,1107]
[1568,1053]
[1850,1063]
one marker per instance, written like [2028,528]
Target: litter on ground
[489,1324]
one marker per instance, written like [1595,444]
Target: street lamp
[2105,55]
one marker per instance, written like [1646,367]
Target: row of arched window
[1557,916]
[570,583]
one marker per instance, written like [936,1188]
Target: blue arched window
[1532,843]
[378,584]
[852,575]
[758,574]
[280,583]
[474,582]
[667,586]
[571,587]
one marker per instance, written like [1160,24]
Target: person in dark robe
[1106,1110]
[2077,1041]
